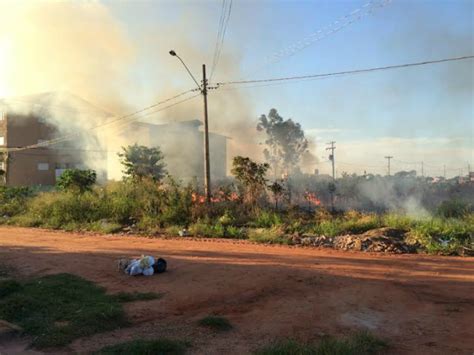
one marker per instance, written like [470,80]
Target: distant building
[183,147]
[29,123]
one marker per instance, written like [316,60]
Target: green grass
[362,343]
[135,296]
[57,309]
[215,323]
[146,347]
[8,287]
[275,235]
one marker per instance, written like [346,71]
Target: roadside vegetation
[250,206]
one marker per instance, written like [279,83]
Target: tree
[141,162]
[77,180]
[277,190]
[251,175]
[285,142]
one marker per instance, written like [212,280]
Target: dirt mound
[387,240]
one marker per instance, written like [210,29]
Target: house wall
[182,144]
[33,166]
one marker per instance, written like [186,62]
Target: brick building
[29,123]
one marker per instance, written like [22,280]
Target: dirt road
[420,304]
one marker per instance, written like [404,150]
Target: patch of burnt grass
[362,343]
[125,297]
[57,309]
[146,347]
[215,323]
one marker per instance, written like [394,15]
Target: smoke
[82,49]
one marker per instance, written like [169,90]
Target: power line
[223,23]
[334,27]
[125,119]
[366,70]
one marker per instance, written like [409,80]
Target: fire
[312,198]
[221,197]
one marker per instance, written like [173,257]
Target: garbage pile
[146,265]
[377,240]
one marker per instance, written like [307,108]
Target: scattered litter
[146,265]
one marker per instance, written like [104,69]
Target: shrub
[266,219]
[77,180]
[453,209]
[13,200]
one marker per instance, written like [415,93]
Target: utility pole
[422,170]
[331,157]
[332,187]
[444,171]
[388,159]
[207,167]
[203,89]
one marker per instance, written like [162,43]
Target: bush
[13,200]
[77,180]
[453,209]
[266,219]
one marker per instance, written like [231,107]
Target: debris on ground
[388,240]
[146,265]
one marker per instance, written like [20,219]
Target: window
[3,115]
[43,166]
[2,140]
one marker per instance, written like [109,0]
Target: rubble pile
[377,240]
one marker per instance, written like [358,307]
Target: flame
[312,198]
[221,197]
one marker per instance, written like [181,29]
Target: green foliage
[125,297]
[274,235]
[77,180]
[266,219]
[146,347]
[13,200]
[285,141]
[362,343]
[142,162]
[251,175]
[444,236]
[57,309]
[453,209]
[215,323]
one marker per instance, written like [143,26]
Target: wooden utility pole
[422,169]
[331,157]
[207,168]
[388,158]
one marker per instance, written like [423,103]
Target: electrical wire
[223,23]
[332,28]
[366,70]
[124,118]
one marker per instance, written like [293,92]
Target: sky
[414,114]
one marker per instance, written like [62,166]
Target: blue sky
[415,114]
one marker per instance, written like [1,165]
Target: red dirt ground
[420,304]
